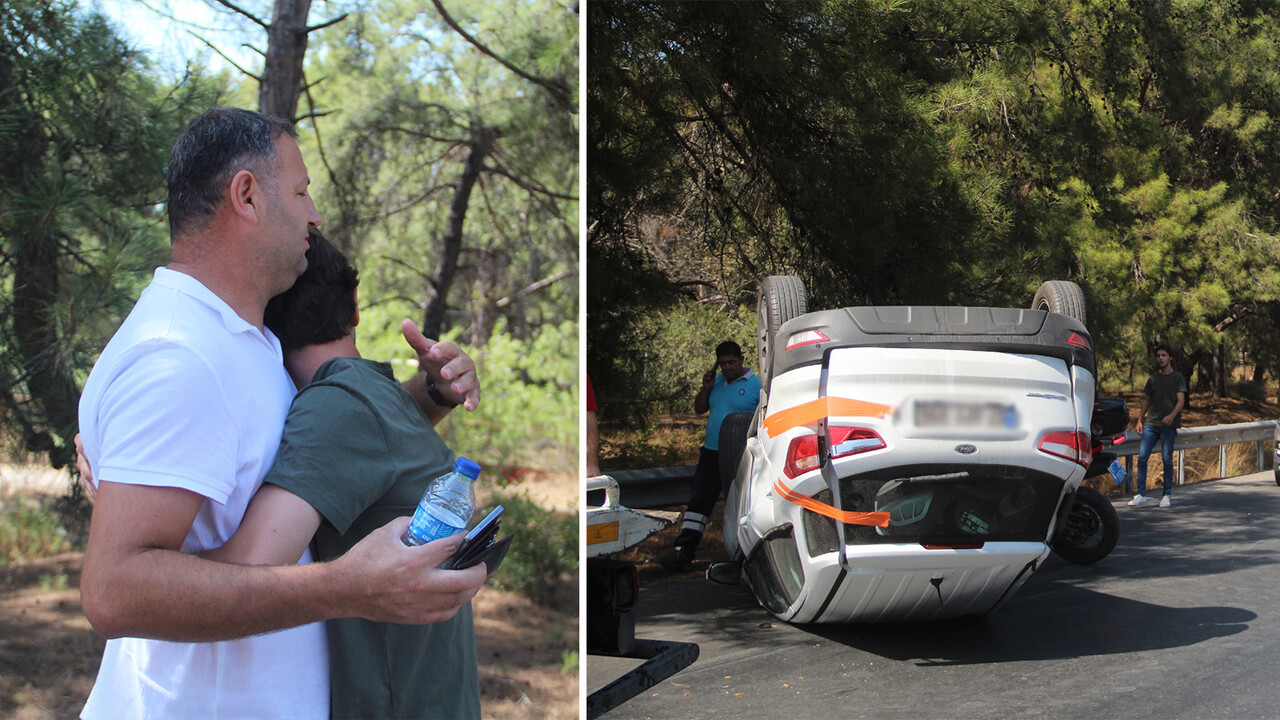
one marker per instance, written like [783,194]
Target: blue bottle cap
[467,467]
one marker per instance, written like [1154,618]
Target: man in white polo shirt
[180,420]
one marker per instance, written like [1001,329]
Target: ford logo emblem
[966,449]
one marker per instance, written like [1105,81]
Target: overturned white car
[907,463]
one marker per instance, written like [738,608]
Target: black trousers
[706,483]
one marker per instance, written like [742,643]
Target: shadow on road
[1059,629]
[1064,611]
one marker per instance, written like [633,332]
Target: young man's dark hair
[729,347]
[1165,348]
[320,305]
[213,148]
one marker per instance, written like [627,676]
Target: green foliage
[939,151]
[85,128]
[569,662]
[685,338]
[30,530]
[403,97]
[544,551]
[529,401]
[1249,390]
[50,582]
[528,414]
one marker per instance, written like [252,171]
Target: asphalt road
[1180,621]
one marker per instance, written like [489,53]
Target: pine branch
[559,92]
[223,55]
[535,287]
[236,8]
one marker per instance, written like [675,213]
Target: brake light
[1079,340]
[805,337]
[1073,446]
[802,453]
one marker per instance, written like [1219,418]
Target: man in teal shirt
[735,389]
[356,452]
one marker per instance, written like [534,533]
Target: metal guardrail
[1261,432]
[664,487]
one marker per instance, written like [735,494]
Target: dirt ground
[49,654]
[1202,464]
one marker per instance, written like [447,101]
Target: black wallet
[478,545]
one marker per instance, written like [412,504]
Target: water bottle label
[425,527]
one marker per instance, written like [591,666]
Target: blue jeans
[1166,436]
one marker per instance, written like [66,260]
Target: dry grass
[49,654]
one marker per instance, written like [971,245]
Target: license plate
[953,414]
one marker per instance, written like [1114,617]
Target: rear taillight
[805,337]
[1079,340]
[1073,446]
[802,453]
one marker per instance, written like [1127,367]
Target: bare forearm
[169,595]
[702,403]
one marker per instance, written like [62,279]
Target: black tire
[1063,297]
[1277,471]
[782,297]
[733,441]
[1090,531]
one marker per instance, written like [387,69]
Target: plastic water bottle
[446,506]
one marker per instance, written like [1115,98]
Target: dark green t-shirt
[1163,391]
[358,449]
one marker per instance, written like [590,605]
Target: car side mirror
[725,573]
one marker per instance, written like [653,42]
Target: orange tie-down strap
[824,407]
[872,519]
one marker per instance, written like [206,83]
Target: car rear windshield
[942,505]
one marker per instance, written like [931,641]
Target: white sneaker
[1138,500]
[1164,501]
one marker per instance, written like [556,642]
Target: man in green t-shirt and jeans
[357,451]
[1164,396]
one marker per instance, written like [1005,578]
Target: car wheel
[782,297]
[1277,472]
[733,441]
[1063,297]
[1090,531]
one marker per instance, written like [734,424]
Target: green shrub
[1248,390]
[30,530]
[543,553]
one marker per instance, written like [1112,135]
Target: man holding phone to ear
[734,389]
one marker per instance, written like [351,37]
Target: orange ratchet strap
[873,519]
[824,407]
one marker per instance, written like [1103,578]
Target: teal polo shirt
[741,395]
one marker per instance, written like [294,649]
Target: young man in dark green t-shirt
[1164,396]
[357,451]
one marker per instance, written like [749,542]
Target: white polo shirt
[189,395]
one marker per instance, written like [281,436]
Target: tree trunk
[481,144]
[282,72]
[1203,364]
[54,395]
[1219,372]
